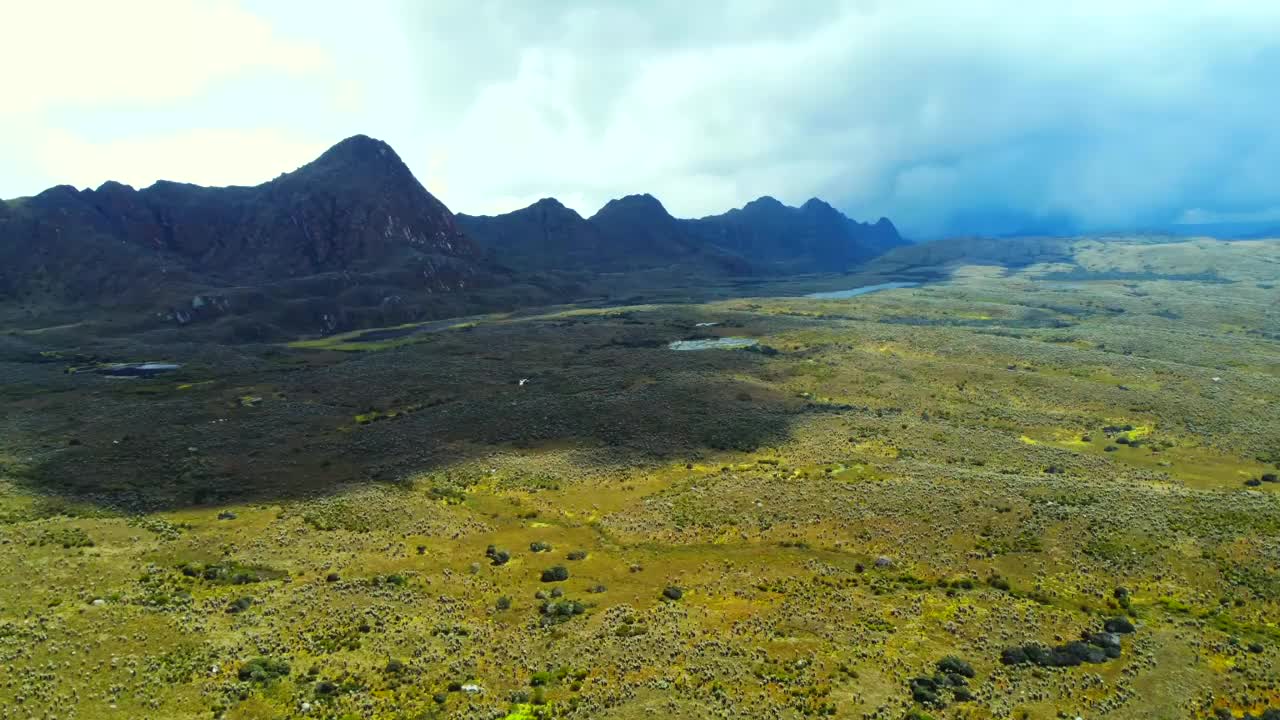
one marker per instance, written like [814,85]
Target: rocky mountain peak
[357,159]
[634,207]
[817,205]
[765,202]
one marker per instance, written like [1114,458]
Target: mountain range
[353,239]
[636,232]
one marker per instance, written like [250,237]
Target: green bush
[263,670]
[497,556]
[955,666]
[555,612]
[557,573]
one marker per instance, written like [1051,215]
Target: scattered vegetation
[911,509]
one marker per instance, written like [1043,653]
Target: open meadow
[1006,492]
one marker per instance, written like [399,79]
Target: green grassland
[805,528]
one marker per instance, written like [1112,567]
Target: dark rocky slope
[352,240]
[814,237]
[353,223]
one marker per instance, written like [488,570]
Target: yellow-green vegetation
[375,415]
[1006,494]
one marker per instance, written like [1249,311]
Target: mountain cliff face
[637,232]
[357,208]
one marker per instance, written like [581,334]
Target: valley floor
[555,515]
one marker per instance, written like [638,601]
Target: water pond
[864,290]
[723,343]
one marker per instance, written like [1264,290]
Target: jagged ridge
[636,232]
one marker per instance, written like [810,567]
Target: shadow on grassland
[295,423]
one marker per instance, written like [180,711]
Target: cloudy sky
[979,116]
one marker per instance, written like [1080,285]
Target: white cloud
[82,53]
[200,156]
[1108,113]
[942,115]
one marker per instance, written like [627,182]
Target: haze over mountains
[353,238]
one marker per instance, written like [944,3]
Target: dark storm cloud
[947,116]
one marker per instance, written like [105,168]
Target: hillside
[636,232]
[351,233]
[814,237]
[353,240]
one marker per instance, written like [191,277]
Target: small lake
[143,369]
[864,290]
[724,343]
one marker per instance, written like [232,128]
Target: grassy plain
[799,529]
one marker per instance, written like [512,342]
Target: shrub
[263,670]
[925,694]
[578,555]
[504,603]
[931,691]
[558,611]
[954,665]
[239,605]
[673,593]
[1069,655]
[498,557]
[539,546]
[556,573]
[1014,656]
[1118,625]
